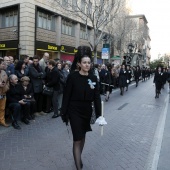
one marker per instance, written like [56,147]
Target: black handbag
[48,91]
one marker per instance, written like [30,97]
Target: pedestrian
[137,75]
[122,79]
[158,80]
[81,90]
[164,77]
[108,80]
[37,76]
[129,76]
[53,80]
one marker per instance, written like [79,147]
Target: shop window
[10,19]
[45,21]
[68,28]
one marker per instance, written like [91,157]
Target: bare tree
[121,30]
[94,13]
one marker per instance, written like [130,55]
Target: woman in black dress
[129,76]
[81,90]
[137,75]
[108,80]
[158,80]
[122,79]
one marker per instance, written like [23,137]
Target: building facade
[32,27]
[141,40]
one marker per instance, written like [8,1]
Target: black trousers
[19,111]
[39,101]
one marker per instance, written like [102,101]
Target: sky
[157,13]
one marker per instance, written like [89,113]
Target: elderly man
[4,86]
[44,60]
[16,103]
[10,68]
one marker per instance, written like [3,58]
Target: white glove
[101,121]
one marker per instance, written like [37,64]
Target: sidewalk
[164,158]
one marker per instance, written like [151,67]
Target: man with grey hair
[10,69]
[15,102]
[44,60]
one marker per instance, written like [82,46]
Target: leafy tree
[158,62]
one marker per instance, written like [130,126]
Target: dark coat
[158,80]
[122,78]
[164,77]
[28,91]
[20,75]
[129,74]
[53,79]
[137,74]
[36,78]
[78,90]
[14,94]
[108,78]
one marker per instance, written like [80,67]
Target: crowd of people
[22,83]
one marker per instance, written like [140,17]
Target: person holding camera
[27,93]
[16,103]
[4,86]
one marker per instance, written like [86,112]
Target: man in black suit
[16,103]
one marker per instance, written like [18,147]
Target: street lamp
[130,56]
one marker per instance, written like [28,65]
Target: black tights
[77,151]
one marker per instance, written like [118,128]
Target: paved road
[130,140]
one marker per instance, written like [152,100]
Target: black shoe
[26,121]
[15,125]
[55,116]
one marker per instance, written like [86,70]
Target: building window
[45,21]
[10,19]
[83,33]
[74,4]
[83,5]
[68,28]
[65,3]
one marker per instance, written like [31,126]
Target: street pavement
[133,139]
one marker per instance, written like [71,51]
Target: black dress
[158,80]
[122,78]
[77,102]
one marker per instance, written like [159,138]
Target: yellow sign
[75,50]
[2,45]
[50,47]
[62,48]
